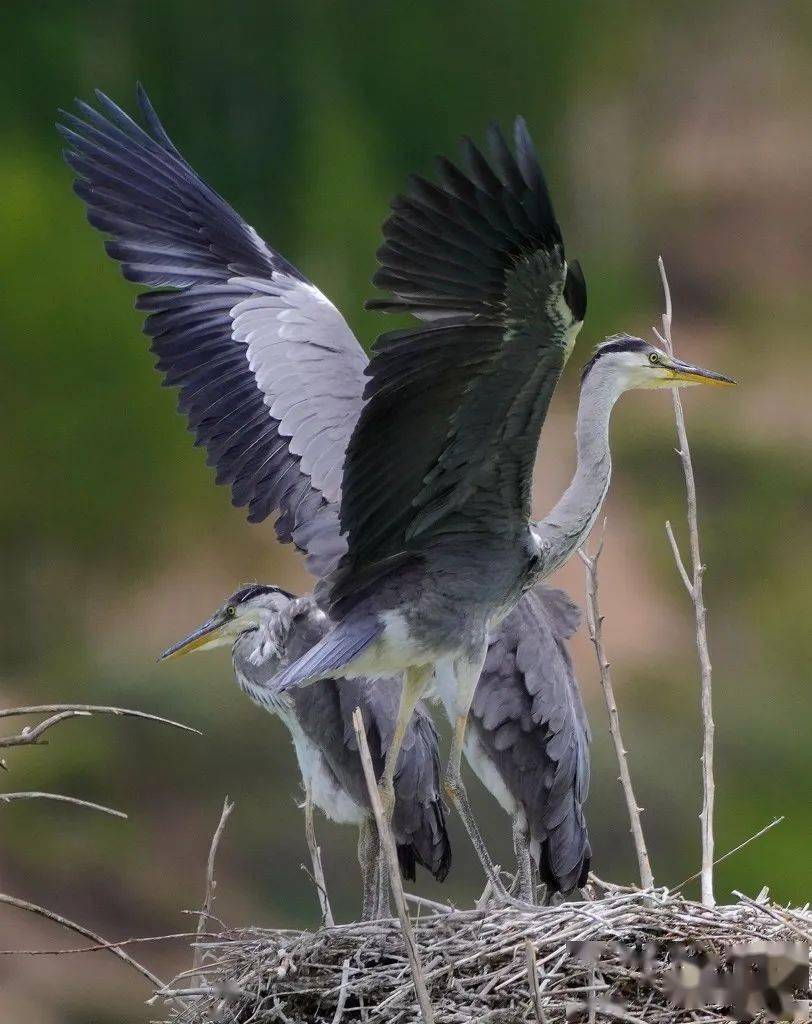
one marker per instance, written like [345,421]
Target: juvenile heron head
[633,363]
[246,610]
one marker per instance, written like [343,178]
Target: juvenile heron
[267,627]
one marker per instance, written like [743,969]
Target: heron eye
[231,611]
[653,357]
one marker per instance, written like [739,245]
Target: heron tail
[332,656]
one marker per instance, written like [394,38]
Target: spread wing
[530,719]
[447,439]
[270,375]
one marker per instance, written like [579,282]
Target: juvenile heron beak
[688,374]
[206,633]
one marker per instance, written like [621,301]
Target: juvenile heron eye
[653,357]
[231,611]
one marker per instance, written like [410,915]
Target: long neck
[567,526]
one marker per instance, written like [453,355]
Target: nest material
[476,965]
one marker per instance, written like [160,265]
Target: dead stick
[315,859]
[741,846]
[7,798]
[533,978]
[694,587]
[86,933]
[391,854]
[594,621]
[211,885]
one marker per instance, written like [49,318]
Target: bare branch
[390,851]
[86,933]
[61,712]
[694,587]
[594,621]
[7,798]
[533,978]
[672,540]
[211,885]
[315,860]
[342,994]
[741,846]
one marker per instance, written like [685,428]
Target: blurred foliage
[663,128]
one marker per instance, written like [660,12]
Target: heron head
[633,363]
[246,610]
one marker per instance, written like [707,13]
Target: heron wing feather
[460,400]
[270,376]
[530,719]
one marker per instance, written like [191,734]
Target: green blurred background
[680,129]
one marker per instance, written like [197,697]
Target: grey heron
[267,627]
[435,503]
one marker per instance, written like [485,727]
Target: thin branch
[342,995]
[61,712]
[390,851]
[315,859]
[700,618]
[211,885]
[139,940]
[678,559]
[86,933]
[6,798]
[741,846]
[533,979]
[594,621]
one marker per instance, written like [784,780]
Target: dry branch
[594,621]
[86,933]
[56,713]
[390,852]
[693,584]
[6,798]
[211,884]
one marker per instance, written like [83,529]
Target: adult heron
[266,628]
[436,488]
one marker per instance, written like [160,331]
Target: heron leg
[368,860]
[315,860]
[466,672]
[524,863]
[415,680]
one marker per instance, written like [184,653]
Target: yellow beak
[208,631]
[684,372]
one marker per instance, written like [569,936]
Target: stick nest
[477,964]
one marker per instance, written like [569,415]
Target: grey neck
[567,526]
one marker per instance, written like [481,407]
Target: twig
[211,885]
[533,978]
[6,798]
[594,621]
[771,912]
[61,712]
[694,588]
[391,854]
[741,846]
[86,933]
[315,859]
[422,901]
[342,995]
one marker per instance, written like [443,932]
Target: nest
[497,965]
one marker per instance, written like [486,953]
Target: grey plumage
[272,382]
[270,376]
[324,716]
[529,721]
